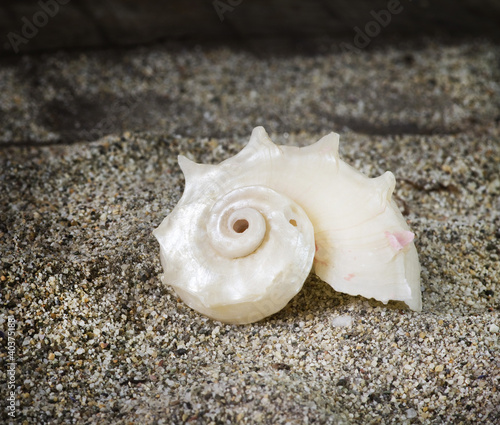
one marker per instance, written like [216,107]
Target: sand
[88,152]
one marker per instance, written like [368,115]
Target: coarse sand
[88,156]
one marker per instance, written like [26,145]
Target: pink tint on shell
[399,240]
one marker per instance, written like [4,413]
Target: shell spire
[246,232]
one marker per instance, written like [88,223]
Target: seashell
[247,232]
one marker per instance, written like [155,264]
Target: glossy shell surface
[247,232]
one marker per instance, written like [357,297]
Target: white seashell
[247,232]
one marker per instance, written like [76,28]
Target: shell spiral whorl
[236,227]
[244,229]
[242,220]
[247,232]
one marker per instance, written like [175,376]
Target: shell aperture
[246,232]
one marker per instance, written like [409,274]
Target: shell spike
[385,185]
[326,146]
[259,143]
[259,136]
[191,169]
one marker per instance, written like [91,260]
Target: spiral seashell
[246,232]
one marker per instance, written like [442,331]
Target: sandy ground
[88,152]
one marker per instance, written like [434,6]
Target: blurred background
[75,70]
[108,23]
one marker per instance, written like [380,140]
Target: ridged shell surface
[247,232]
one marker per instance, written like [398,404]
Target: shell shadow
[318,298]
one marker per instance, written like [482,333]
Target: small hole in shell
[240,226]
[293,222]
